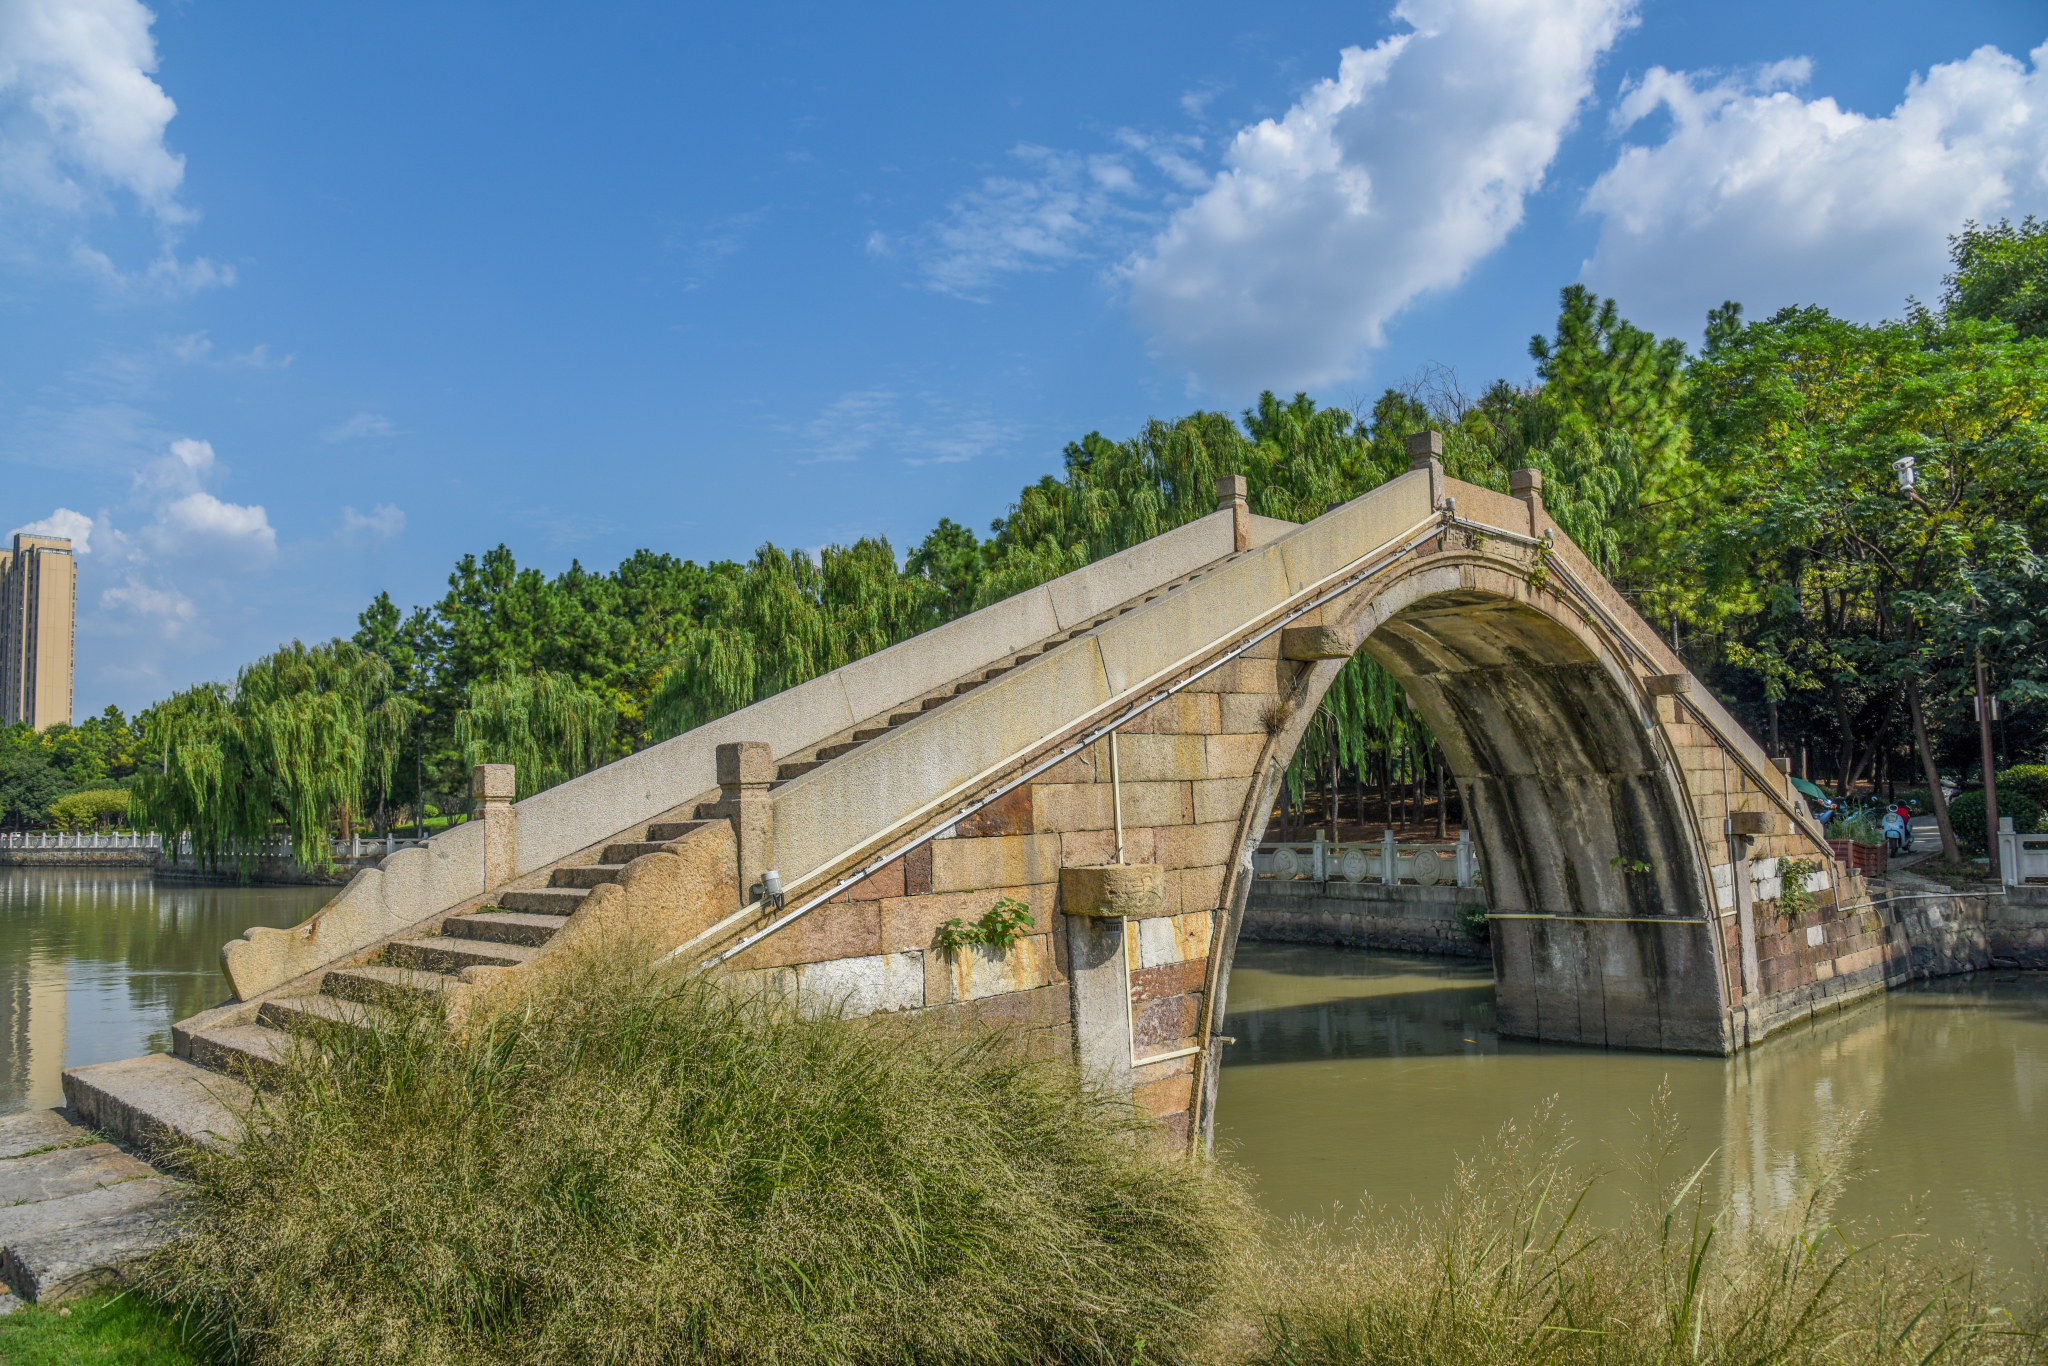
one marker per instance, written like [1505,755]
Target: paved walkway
[74,1209]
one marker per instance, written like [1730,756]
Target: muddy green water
[1358,1079]
[97,964]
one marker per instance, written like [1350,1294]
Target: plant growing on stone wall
[1003,925]
[1628,865]
[1539,574]
[1793,898]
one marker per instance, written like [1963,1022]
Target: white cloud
[1391,179]
[79,114]
[383,522]
[166,277]
[82,128]
[1759,195]
[358,427]
[201,526]
[1057,215]
[164,607]
[74,527]
[188,466]
[873,419]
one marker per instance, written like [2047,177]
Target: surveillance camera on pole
[1903,468]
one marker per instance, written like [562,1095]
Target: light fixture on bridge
[1903,467]
[768,891]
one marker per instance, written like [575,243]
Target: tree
[1829,577]
[299,741]
[2000,275]
[542,723]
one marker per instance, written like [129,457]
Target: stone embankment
[1368,915]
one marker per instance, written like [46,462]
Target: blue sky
[302,302]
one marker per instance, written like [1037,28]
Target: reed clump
[631,1165]
[1507,1271]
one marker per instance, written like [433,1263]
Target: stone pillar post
[1232,496]
[744,771]
[1527,485]
[492,785]
[1095,900]
[1426,452]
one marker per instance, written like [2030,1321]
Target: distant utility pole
[1986,710]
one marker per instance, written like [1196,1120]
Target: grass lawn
[120,1330]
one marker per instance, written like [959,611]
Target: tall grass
[634,1166]
[1506,1271]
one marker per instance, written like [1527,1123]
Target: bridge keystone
[1108,891]
[1318,642]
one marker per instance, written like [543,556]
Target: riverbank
[269,871]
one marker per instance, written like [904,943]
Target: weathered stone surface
[158,1099]
[1318,642]
[77,1259]
[66,1171]
[33,1130]
[1112,889]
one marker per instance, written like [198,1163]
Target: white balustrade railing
[1322,861]
[279,848]
[2021,858]
[80,839]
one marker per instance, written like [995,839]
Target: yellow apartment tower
[38,614]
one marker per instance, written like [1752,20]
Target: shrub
[1966,814]
[1505,1272]
[2029,779]
[632,1165]
[85,810]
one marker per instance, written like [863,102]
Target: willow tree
[785,619]
[299,742]
[543,724]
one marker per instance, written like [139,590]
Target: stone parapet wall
[2016,928]
[78,858]
[1366,915]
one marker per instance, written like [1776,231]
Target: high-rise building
[38,614]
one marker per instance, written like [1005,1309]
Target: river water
[97,964]
[1358,1079]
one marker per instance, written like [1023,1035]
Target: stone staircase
[195,1092]
[503,934]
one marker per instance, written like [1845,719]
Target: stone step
[795,770]
[384,986]
[145,1101]
[251,1052]
[292,1012]
[629,850]
[66,1171]
[37,1218]
[933,702]
[831,752]
[969,686]
[34,1130]
[997,673]
[871,733]
[586,875]
[562,901]
[504,927]
[673,830]
[449,953]
[904,718]
[74,1260]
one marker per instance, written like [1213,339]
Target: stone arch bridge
[1106,749]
